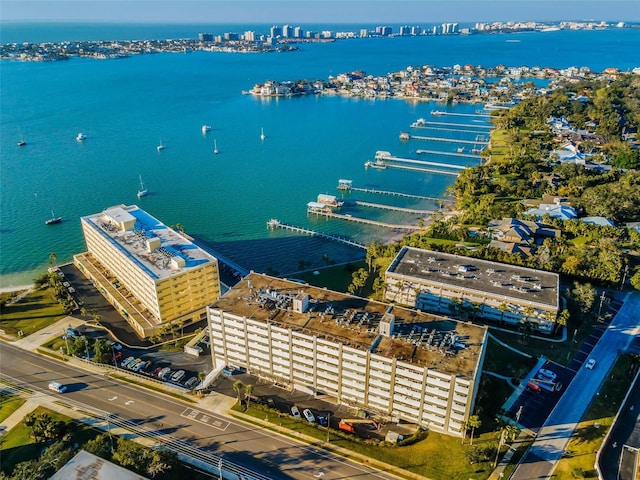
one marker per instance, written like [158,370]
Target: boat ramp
[274,223]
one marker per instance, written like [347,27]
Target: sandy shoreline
[15,288]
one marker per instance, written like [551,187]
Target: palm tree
[237,386]
[248,390]
[474,422]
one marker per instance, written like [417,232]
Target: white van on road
[57,387]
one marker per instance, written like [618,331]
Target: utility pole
[602,297]
[624,276]
[328,425]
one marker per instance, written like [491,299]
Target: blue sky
[318,11]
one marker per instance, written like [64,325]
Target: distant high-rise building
[327,34]
[454,28]
[415,30]
[231,36]
[205,37]
[275,31]
[364,33]
[405,30]
[287,31]
[249,36]
[298,32]
[384,30]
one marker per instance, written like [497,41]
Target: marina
[274,223]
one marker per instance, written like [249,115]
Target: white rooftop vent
[387,324]
[153,243]
[177,262]
[300,302]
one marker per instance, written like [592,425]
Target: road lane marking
[113,398]
[205,418]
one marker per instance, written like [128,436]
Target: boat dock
[422,170]
[384,156]
[397,194]
[351,218]
[424,124]
[452,140]
[451,154]
[274,223]
[454,114]
[391,207]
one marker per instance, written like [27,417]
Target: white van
[57,387]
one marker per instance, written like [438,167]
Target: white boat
[437,113]
[21,142]
[215,146]
[81,136]
[206,128]
[143,191]
[160,146]
[262,136]
[53,219]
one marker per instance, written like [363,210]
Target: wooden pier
[425,124]
[391,207]
[454,114]
[274,223]
[431,164]
[451,140]
[422,170]
[457,130]
[451,154]
[397,194]
[351,218]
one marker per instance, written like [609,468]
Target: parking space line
[205,418]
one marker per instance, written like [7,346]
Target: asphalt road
[261,451]
[552,439]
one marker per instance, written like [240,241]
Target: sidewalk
[36,339]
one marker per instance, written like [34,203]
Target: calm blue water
[126,106]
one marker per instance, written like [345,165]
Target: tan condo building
[152,274]
[469,287]
[392,362]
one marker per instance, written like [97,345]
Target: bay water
[126,107]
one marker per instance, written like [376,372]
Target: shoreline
[15,288]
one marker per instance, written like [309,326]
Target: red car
[156,372]
[534,386]
[117,357]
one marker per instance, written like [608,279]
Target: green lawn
[9,403]
[590,432]
[436,457]
[34,312]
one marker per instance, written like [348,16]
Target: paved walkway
[37,339]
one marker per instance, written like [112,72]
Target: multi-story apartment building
[391,361]
[152,274]
[465,286]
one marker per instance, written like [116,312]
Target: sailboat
[215,146]
[161,145]
[143,191]
[53,219]
[262,136]
[21,143]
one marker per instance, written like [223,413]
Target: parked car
[322,420]
[191,383]
[177,376]
[546,374]
[308,415]
[72,332]
[164,374]
[116,346]
[534,386]
[590,364]
[141,366]
[116,357]
[135,362]
[295,412]
[156,372]
[127,361]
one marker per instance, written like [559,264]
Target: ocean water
[127,106]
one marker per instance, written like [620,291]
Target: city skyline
[319,11]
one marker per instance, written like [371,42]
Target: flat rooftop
[422,339]
[508,281]
[132,231]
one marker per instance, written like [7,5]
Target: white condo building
[465,286]
[391,361]
[152,274]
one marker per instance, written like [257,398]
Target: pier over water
[274,223]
